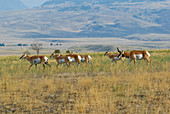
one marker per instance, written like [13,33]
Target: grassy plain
[100,88]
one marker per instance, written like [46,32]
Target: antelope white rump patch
[148,53]
[90,58]
[138,56]
[46,59]
[79,57]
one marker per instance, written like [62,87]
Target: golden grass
[100,88]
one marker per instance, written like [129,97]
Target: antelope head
[107,53]
[23,56]
[52,55]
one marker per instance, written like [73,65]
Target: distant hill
[110,18]
[11,5]
[90,18]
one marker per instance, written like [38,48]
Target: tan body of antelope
[34,60]
[86,58]
[74,58]
[114,57]
[62,59]
[136,55]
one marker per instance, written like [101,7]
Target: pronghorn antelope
[135,55]
[34,60]
[86,58]
[74,58]
[62,59]
[114,57]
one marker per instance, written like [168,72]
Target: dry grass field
[100,88]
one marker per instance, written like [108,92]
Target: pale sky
[33,3]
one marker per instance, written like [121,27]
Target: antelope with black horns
[135,55]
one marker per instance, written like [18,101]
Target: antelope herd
[78,59]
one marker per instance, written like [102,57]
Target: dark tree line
[2,44]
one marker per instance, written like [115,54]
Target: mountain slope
[89,18]
[113,18]
[11,5]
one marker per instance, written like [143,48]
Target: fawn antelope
[135,55]
[114,57]
[34,60]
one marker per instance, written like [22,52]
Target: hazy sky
[33,3]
